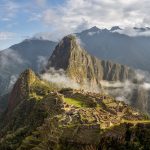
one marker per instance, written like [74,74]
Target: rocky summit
[81,66]
[43,116]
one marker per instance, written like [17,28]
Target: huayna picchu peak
[81,66]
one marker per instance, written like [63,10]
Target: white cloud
[124,90]
[146,86]
[11,56]
[34,17]
[132,32]
[42,62]
[8,10]
[76,15]
[59,77]
[7,35]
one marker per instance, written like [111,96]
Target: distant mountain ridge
[116,45]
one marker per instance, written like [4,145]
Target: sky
[21,19]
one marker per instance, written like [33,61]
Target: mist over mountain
[71,103]
[80,66]
[74,75]
[34,53]
[105,44]
[93,74]
[30,53]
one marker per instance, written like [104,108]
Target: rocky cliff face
[81,66]
[21,88]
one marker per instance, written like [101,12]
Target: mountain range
[105,44]
[33,53]
[116,46]
[42,113]
[90,72]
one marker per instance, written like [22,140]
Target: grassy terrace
[75,102]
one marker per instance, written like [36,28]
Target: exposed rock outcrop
[21,88]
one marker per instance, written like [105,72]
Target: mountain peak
[94,29]
[28,75]
[141,29]
[82,67]
[114,28]
[70,40]
[63,52]
[21,88]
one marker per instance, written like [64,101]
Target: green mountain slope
[41,116]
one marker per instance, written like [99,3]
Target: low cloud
[10,56]
[146,86]
[76,15]
[60,78]
[42,62]
[124,91]
[10,64]
[13,79]
[7,35]
[130,31]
